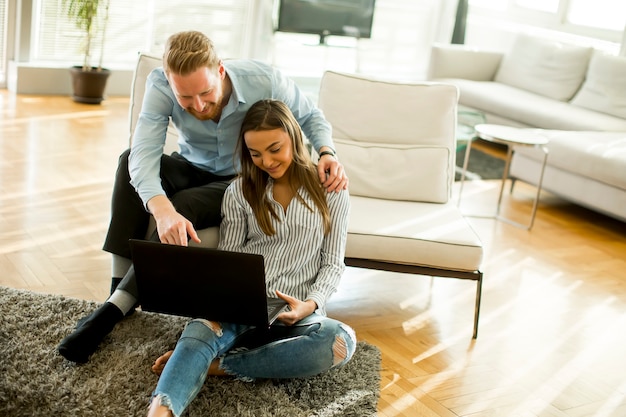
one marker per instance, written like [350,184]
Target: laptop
[204,283]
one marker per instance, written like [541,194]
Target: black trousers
[195,193]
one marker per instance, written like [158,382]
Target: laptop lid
[201,282]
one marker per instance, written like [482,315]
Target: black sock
[84,340]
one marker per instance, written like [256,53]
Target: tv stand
[326,43]
[348,31]
[323,42]
[323,39]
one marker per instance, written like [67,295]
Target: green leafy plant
[91,17]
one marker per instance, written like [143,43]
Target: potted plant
[90,17]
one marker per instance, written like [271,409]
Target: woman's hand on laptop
[297,309]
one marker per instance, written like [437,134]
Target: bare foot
[215,370]
[159,364]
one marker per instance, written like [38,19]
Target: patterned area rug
[482,166]
[35,380]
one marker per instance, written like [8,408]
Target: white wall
[622,51]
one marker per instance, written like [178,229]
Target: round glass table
[511,137]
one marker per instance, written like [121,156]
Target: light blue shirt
[206,144]
[300,260]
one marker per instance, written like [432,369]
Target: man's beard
[212,115]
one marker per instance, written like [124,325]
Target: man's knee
[202,208]
[122,163]
[122,166]
[123,159]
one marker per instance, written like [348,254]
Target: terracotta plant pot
[88,86]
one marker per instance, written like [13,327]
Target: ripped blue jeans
[309,347]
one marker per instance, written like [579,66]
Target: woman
[275,208]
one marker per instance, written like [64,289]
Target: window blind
[140,26]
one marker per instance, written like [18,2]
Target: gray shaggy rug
[481,166]
[35,380]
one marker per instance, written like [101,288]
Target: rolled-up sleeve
[148,141]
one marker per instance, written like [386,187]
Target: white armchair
[397,144]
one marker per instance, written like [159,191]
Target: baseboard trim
[26,78]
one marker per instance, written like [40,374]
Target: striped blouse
[299,260]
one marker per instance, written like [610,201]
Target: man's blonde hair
[185,52]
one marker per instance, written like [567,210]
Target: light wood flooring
[552,336]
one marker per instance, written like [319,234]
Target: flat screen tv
[327,17]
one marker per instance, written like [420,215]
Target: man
[206,99]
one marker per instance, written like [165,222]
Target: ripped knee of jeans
[163,400]
[344,346]
[213,325]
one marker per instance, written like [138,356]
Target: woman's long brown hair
[269,115]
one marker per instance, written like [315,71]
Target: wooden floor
[552,336]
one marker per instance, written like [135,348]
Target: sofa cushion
[367,166]
[549,68]
[457,61]
[604,89]
[424,234]
[531,109]
[597,155]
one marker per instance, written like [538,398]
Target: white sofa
[575,95]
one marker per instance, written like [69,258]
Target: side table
[511,137]
[466,120]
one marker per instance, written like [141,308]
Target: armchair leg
[479,290]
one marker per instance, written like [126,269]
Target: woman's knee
[199,338]
[201,329]
[343,339]
[344,346]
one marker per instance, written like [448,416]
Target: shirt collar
[236,94]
